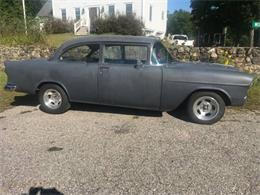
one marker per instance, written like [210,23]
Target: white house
[152,12]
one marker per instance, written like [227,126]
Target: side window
[136,54]
[125,54]
[160,54]
[113,54]
[87,53]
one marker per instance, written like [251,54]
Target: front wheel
[206,107]
[53,99]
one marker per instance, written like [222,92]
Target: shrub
[121,24]
[12,32]
[55,26]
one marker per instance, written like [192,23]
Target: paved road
[100,150]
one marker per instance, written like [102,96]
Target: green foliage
[22,39]
[213,16]
[121,24]
[6,98]
[12,29]
[55,26]
[253,102]
[180,22]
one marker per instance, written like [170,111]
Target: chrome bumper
[10,86]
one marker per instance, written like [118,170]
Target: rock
[213,55]
[248,60]
[256,60]
[220,51]
[194,56]
[239,60]
[181,50]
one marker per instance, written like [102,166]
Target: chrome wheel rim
[52,98]
[206,108]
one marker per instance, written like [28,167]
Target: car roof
[111,38]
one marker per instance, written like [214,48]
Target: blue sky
[178,4]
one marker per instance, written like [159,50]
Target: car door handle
[103,69]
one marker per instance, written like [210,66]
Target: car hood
[209,73]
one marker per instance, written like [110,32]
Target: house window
[162,15]
[111,10]
[129,8]
[63,14]
[151,13]
[77,13]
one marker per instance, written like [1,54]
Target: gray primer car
[128,71]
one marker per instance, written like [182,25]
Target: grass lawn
[55,40]
[6,98]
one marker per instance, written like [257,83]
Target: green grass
[6,98]
[55,40]
[253,102]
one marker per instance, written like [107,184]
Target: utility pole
[252,34]
[24,17]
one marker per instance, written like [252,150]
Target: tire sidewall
[197,95]
[65,105]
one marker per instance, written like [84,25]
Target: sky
[178,4]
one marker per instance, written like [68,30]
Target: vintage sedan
[128,71]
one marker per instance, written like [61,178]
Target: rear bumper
[10,87]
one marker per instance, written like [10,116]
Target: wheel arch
[39,85]
[222,93]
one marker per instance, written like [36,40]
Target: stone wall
[247,59]
[23,53]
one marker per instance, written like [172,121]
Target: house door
[93,15]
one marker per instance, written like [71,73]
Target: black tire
[62,107]
[218,112]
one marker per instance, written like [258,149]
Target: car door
[126,77]
[78,69]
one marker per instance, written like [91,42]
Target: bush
[12,32]
[121,24]
[55,26]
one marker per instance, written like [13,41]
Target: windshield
[179,37]
[160,54]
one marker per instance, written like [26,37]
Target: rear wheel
[206,107]
[53,99]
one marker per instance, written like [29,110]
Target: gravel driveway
[102,150]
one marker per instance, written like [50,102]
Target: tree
[180,22]
[11,19]
[213,16]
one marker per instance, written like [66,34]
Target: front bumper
[10,87]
